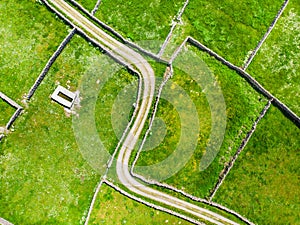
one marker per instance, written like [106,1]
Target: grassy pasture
[44,177]
[243,105]
[276,65]
[6,112]
[140,20]
[29,35]
[228,28]
[113,208]
[264,183]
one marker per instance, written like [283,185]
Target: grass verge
[87,4]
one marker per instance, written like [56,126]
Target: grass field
[51,161]
[113,208]
[277,65]
[41,165]
[6,112]
[140,20]
[243,105]
[114,107]
[88,4]
[228,28]
[29,36]
[44,179]
[264,183]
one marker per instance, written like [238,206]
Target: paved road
[131,57]
[4,222]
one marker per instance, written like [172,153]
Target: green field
[6,112]
[29,35]
[264,183]
[113,208]
[52,160]
[277,65]
[140,21]
[88,4]
[114,107]
[243,106]
[45,178]
[228,28]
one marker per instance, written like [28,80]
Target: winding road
[133,60]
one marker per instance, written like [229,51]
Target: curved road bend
[133,58]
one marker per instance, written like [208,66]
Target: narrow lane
[143,67]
